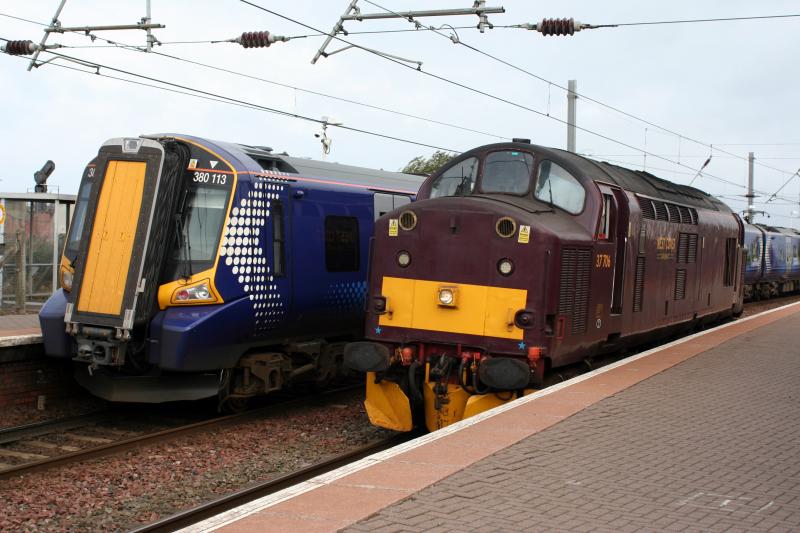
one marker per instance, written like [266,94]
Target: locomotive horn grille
[506,227]
[408,220]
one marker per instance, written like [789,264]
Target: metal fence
[33,227]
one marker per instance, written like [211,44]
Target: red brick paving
[712,444]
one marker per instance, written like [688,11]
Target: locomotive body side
[253,271]
[517,259]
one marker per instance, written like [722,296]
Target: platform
[701,434]
[16,330]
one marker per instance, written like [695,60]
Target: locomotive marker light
[447,296]
[505,267]
[403,258]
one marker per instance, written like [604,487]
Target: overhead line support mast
[354,13]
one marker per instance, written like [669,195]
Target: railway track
[230,501]
[50,455]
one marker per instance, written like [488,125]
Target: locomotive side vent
[683,247]
[408,220]
[674,213]
[692,253]
[661,211]
[658,210]
[687,248]
[648,211]
[686,215]
[638,285]
[680,284]
[506,227]
[574,288]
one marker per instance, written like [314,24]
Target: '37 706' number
[207,177]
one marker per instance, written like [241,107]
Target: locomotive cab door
[613,229]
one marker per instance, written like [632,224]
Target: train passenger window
[508,171]
[278,241]
[457,180]
[341,244]
[558,187]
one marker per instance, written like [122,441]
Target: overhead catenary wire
[486,94]
[469,88]
[125,46]
[219,97]
[551,83]
[418,26]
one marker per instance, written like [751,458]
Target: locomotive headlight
[403,258]
[505,267]
[447,296]
[66,280]
[193,294]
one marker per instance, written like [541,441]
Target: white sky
[730,84]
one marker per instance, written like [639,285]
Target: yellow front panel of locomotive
[113,232]
[479,309]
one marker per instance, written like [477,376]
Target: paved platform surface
[700,435]
[19,329]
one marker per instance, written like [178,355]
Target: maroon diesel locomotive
[517,259]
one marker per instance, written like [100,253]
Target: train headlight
[66,280]
[403,258]
[447,296]
[198,293]
[505,267]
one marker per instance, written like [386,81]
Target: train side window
[400,200]
[558,187]
[383,204]
[605,231]
[341,244]
[457,180]
[278,240]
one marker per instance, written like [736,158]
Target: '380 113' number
[207,177]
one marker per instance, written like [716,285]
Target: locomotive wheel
[236,405]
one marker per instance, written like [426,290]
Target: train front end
[138,269]
[457,321]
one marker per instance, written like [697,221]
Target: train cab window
[604,231]
[507,171]
[78,219]
[203,216]
[457,180]
[558,187]
[341,244]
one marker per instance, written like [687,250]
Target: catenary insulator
[558,27]
[259,39]
[19,48]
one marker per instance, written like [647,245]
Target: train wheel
[236,405]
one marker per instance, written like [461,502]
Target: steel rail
[45,427]
[212,508]
[139,441]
